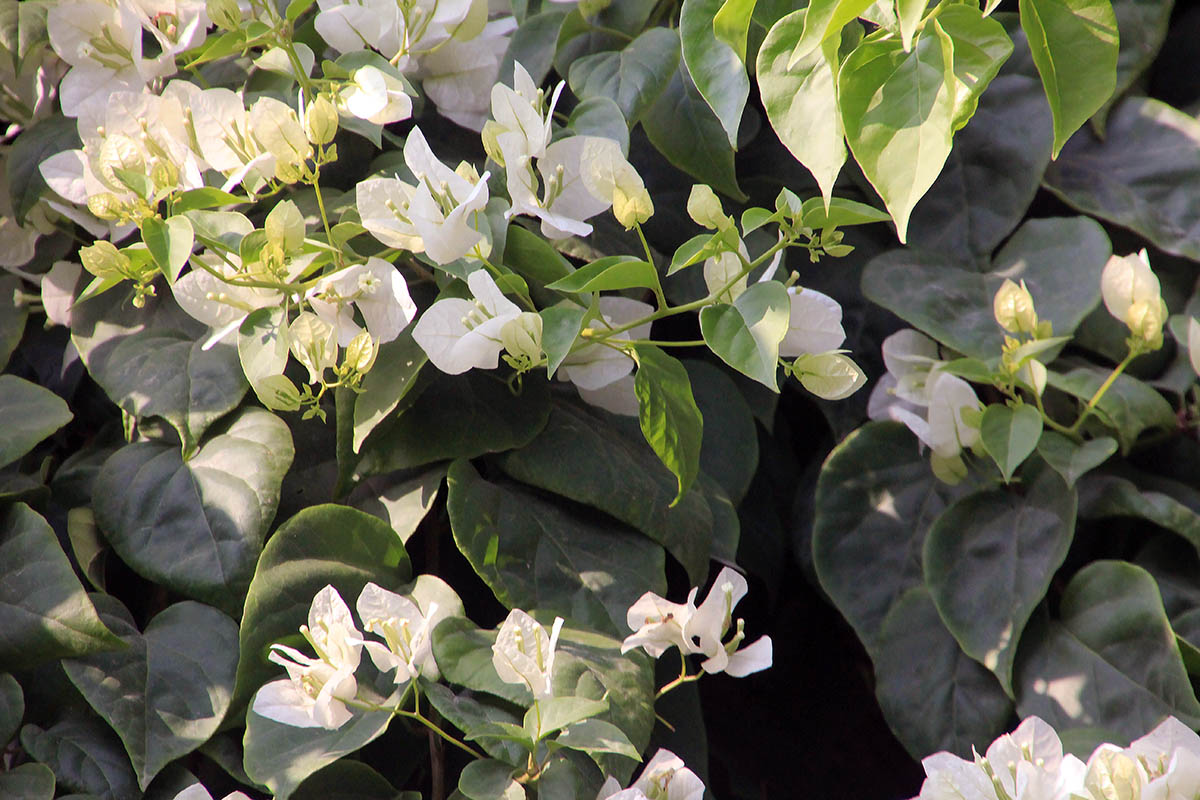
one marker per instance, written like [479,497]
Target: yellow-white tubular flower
[375,96]
[524,653]
[406,631]
[459,334]
[1132,294]
[379,292]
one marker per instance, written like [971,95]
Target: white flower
[376,96]
[814,324]
[224,137]
[459,334]
[1132,294]
[459,74]
[566,199]
[520,124]
[524,653]
[378,290]
[948,777]
[405,629]
[666,777]
[659,624]
[197,792]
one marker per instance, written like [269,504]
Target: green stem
[1104,387]
[344,398]
[659,296]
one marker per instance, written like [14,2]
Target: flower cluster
[1029,764]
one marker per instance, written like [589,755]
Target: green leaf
[281,757]
[403,504]
[581,456]
[668,415]
[12,707]
[475,718]
[559,712]
[899,113]
[609,273]
[346,779]
[27,782]
[321,545]
[549,558]
[1105,496]
[386,385]
[1074,44]
[598,736]
[825,19]
[1060,259]
[1129,405]
[840,213]
[715,67]
[981,46]
[85,754]
[561,325]
[876,499]
[600,116]
[1139,176]
[908,16]
[746,334]
[989,559]
[12,319]
[731,24]
[1110,662]
[49,137]
[695,250]
[533,44]
[488,779]
[1010,435]
[1073,460]
[197,526]
[204,197]
[950,703]
[633,78]
[46,613]
[458,416]
[150,363]
[1141,26]
[33,413]
[167,692]
[704,153]
[729,449]
[170,243]
[801,100]
[464,655]
[532,257]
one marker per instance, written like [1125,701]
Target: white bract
[521,117]
[406,631]
[524,653]
[315,691]
[375,96]
[814,335]
[665,777]
[1132,294]
[601,372]
[459,334]
[436,215]
[659,624]
[379,292]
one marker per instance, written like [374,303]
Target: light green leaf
[1129,405]
[989,559]
[166,693]
[262,343]
[33,413]
[608,273]
[1060,259]
[908,16]
[668,415]
[458,416]
[899,113]
[981,46]
[634,77]
[1072,460]
[731,24]
[46,613]
[204,197]
[839,213]
[598,736]
[320,546]
[581,456]
[1010,434]
[170,243]
[1074,44]
[876,499]
[746,334]
[1140,176]
[951,703]
[1110,662]
[715,67]
[197,526]
[561,325]
[704,153]
[85,754]
[559,712]
[27,782]
[801,100]
[535,554]
[825,19]
[488,779]
[394,375]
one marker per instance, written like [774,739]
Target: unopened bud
[1013,308]
[632,208]
[1145,319]
[361,352]
[704,207]
[321,120]
[287,172]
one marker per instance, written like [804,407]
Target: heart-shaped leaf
[1010,434]
[40,413]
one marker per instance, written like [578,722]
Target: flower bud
[361,352]
[632,207]
[224,13]
[1127,280]
[321,121]
[522,337]
[704,207]
[1145,319]
[830,376]
[104,260]
[1013,308]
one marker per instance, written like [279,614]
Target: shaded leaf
[33,412]
[86,756]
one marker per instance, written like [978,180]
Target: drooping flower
[524,653]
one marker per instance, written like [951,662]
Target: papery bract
[524,653]
[459,334]
[406,631]
[377,289]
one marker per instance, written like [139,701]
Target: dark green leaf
[561,325]
[488,779]
[27,782]
[393,376]
[166,693]
[197,525]
[633,77]
[12,318]
[1129,405]
[1010,435]
[12,707]
[1102,496]
[1072,460]
[534,554]
[33,413]
[668,415]
[86,756]
[46,613]
[346,780]
[598,736]
[36,144]
[729,450]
